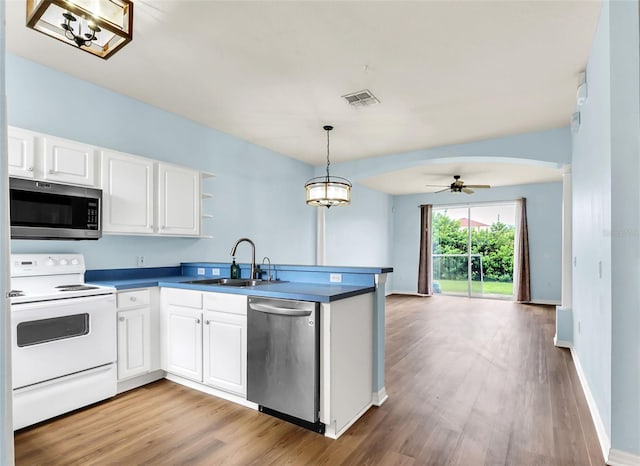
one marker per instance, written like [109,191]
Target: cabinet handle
[30,169]
[51,172]
[121,319]
[207,322]
[197,321]
[133,298]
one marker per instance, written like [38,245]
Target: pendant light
[327,191]
[100,27]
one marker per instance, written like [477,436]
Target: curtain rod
[471,204]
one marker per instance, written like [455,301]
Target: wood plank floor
[470,382]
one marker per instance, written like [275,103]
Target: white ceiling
[273,73]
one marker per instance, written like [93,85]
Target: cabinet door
[69,162]
[184,342]
[178,200]
[134,349]
[225,351]
[21,152]
[128,191]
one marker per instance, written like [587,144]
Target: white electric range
[63,337]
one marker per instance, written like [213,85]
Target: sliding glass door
[473,250]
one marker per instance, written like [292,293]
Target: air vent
[364,97]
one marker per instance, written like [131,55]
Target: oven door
[51,339]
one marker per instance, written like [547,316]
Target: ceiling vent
[359,98]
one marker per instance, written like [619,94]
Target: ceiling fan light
[113,19]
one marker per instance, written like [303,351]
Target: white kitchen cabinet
[178,200]
[68,161]
[134,344]
[128,193]
[21,152]
[135,324]
[181,330]
[225,342]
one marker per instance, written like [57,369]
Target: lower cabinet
[134,345]
[204,338]
[138,351]
[184,342]
[225,351]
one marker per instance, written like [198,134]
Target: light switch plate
[200,270]
[215,272]
[335,278]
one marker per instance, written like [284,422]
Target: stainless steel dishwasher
[283,359]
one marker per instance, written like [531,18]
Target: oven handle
[17,307]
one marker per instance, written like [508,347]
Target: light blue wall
[257,193]
[544,218]
[606,226]
[360,234]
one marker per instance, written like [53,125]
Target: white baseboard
[331,428]
[561,343]
[212,391]
[601,431]
[379,397]
[409,293]
[622,458]
[546,302]
[139,381]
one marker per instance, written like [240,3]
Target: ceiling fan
[458,186]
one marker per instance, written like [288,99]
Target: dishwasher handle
[284,311]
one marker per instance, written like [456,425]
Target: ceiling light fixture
[327,191]
[100,27]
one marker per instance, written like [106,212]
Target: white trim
[622,458]
[379,397]
[139,381]
[330,430]
[561,343]
[321,237]
[408,293]
[545,302]
[212,391]
[603,437]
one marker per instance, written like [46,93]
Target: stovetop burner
[76,287]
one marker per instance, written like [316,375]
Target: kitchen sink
[239,282]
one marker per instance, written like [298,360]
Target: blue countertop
[322,293]
[307,283]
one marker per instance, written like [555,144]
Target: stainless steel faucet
[253,254]
[269,267]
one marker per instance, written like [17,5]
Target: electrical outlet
[200,270]
[215,272]
[335,278]
[141,261]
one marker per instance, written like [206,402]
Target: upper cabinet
[140,196]
[178,200]
[44,157]
[69,161]
[21,150]
[128,193]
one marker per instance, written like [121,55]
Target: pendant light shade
[327,191]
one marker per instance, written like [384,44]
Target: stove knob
[63,262]
[75,262]
[50,262]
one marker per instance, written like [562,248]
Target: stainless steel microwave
[43,210]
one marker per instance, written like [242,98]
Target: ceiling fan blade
[478,186]
[443,190]
[436,186]
[467,190]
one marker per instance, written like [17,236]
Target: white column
[567,262]
[321,252]
[6,394]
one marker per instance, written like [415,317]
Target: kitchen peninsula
[196,334]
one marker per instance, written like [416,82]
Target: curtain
[424,266]
[521,275]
